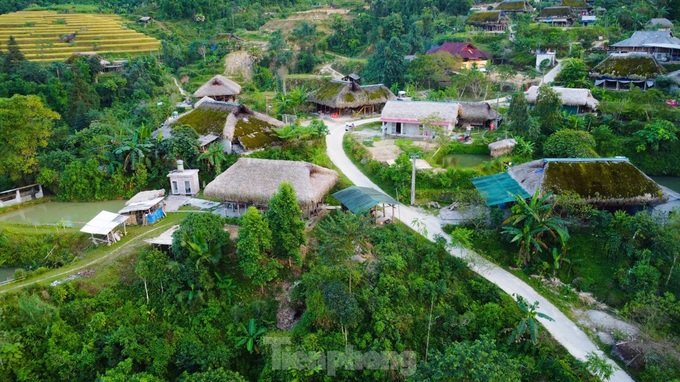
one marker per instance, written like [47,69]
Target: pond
[463,160]
[6,273]
[672,182]
[71,214]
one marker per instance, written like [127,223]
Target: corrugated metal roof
[362,199]
[141,206]
[498,189]
[103,223]
[649,38]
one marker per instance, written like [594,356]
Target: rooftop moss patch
[575,3]
[206,121]
[555,12]
[484,17]
[254,133]
[513,6]
[341,94]
[599,180]
[636,66]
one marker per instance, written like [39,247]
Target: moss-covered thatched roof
[555,12]
[347,95]
[633,65]
[232,122]
[575,3]
[485,17]
[514,6]
[602,182]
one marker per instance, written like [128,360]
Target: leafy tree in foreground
[478,361]
[215,157]
[568,143]
[285,221]
[518,112]
[528,323]
[528,223]
[547,110]
[574,73]
[25,127]
[254,243]
[341,306]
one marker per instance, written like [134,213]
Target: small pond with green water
[6,273]
[672,182]
[463,160]
[72,214]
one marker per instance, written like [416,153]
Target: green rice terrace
[41,35]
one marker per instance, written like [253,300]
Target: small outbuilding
[253,182]
[365,200]
[219,88]
[145,207]
[144,19]
[470,56]
[502,147]
[102,228]
[184,181]
[662,24]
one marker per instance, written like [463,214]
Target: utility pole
[413,179]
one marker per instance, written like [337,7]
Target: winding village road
[562,329]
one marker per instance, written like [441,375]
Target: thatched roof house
[502,147]
[219,88]
[232,123]
[408,118]
[603,182]
[342,97]
[477,114]
[253,181]
[489,21]
[574,101]
[620,70]
[562,16]
[514,6]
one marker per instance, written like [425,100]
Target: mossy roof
[601,182]
[484,17]
[343,94]
[206,120]
[517,6]
[632,65]
[555,12]
[575,3]
[233,122]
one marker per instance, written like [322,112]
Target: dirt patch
[239,64]
[321,17]
[286,315]
[386,151]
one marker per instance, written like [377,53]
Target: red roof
[460,49]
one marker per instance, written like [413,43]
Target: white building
[407,118]
[183,182]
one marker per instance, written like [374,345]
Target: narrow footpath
[562,329]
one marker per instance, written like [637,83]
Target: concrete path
[562,329]
[550,76]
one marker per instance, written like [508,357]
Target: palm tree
[215,157]
[134,145]
[528,322]
[250,336]
[530,221]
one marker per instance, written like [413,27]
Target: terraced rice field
[38,34]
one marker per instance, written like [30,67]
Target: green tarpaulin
[362,199]
[498,189]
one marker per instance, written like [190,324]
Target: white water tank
[180,165]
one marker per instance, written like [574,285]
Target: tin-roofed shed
[360,200]
[499,189]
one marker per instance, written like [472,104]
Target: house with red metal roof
[471,56]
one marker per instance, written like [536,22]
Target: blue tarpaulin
[155,216]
